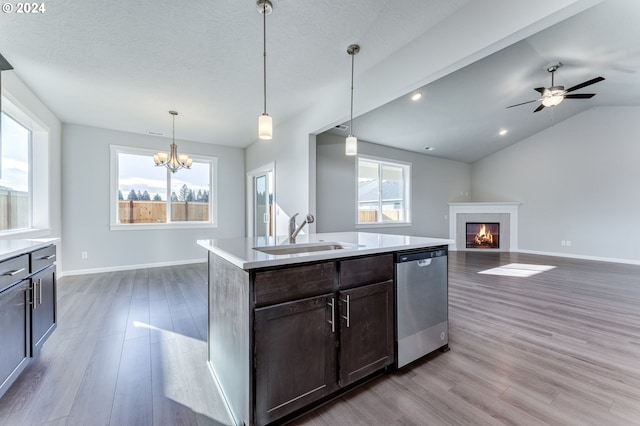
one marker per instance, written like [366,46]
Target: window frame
[39,221]
[406,167]
[113,192]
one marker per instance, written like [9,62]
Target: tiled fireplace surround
[504,213]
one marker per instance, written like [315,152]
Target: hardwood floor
[559,348]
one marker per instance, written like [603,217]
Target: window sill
[382,225]
[155,226]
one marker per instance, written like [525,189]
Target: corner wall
[578,182]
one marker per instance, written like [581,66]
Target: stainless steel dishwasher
[422,324]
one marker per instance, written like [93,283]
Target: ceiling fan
[552,96]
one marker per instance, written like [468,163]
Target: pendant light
[351,145]
[173,161]
[265,123]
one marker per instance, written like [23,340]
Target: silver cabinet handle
[333,315]
[348,315]
[51,256]
[16,272]
[33,295]
[40,291]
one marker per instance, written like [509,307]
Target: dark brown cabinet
[15,311]
[309,348]
[366,330]
[43,315]
[27,309]
[295,356]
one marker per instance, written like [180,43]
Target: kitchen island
[294,324]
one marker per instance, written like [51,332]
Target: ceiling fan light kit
[554,95]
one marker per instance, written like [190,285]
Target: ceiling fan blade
[580,96]
[585,84]
[539,108]
[523,103]
[540,90]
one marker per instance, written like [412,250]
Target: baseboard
[129,267]
[579,256]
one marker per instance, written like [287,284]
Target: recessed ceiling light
[502,132]
[416,96]
[428,148]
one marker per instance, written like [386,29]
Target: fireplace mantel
[483,210]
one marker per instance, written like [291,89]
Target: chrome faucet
[293,231]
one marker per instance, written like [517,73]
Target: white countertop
[12,248]
[240,251]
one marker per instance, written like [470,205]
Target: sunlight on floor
[517,270]
[183,362]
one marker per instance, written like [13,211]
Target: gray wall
[578,181]
[435,182]
[85,204]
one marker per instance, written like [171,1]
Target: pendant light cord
[264,53]
[351,119]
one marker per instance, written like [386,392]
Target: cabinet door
[295,356]
[14,332]
[366,330]
[43,315]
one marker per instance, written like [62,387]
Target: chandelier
[173,161]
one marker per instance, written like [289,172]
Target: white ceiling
[122,65]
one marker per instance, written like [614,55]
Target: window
[147,195]
[15,175]
[24,171]
[383,192]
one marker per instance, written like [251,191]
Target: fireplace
[488,213]
[482,235]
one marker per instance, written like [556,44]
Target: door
[43,314]
[295,356]
[261,202]
[262,221]
[366,330]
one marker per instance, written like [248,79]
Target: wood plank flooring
[558,348]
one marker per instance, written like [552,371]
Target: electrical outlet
[568,243]
[563,243]
[84,255]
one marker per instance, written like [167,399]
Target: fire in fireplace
[483,235]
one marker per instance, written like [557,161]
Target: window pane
[14,175]
[142,190]
[368,192]
[190,194]
[392,193]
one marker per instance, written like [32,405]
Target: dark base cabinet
[27,310]
[43,316]
[312,330]
[15,329]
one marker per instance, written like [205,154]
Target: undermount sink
[302,248]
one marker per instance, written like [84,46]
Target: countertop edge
[318,256]
[12,248]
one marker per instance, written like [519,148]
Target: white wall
[435,182]
[578,181]
[22,96]
[86,197]
[478,29]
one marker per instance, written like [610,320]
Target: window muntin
[151,195]
[15,176]
[383,192]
